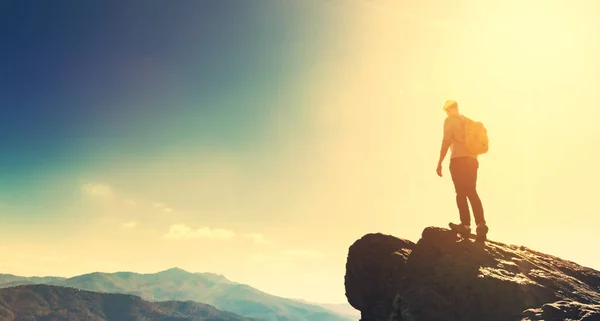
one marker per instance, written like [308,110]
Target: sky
[259,140]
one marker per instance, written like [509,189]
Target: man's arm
[444,150]
[446,142]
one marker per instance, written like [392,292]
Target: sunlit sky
[258,140]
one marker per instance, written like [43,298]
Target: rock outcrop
[442,278]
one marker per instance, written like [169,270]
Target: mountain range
[48,302]
[179,285]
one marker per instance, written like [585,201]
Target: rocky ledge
[442,278]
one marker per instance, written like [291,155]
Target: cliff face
[438,278]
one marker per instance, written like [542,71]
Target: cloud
[181,231]
[163,207]
[131,224]
[98,190]
[106,190]
[257,238]
[309,254]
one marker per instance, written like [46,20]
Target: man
[463,169]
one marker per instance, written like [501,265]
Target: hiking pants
[464,177]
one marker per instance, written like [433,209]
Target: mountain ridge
[50,302]
[208,288]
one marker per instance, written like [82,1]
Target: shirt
[454,132]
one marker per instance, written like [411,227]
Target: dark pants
[464,176]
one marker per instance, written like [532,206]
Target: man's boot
[463,230]
[482,231]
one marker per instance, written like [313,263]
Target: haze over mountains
[179,285]
[340,308]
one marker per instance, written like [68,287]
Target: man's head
[451,107]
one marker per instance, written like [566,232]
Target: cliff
[441,278]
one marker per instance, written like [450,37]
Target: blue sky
[260,139]
[126,124]
[84,82]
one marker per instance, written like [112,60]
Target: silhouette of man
[463,169]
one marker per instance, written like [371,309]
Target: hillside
[47,302]
[177,284]
[438,278]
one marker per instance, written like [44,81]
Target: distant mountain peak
[174,270]
[176,284]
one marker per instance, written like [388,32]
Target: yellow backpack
[476,138]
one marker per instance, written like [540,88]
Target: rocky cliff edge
[442,278]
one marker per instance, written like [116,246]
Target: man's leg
[472,194]
[457,171]
[475,201]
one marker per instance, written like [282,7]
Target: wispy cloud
[98,190]
[257,238]
[181,231]
[309,254]
[106,190]
[130,224]
[163,207]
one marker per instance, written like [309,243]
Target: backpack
[476,138]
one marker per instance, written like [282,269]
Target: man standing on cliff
[466,140]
